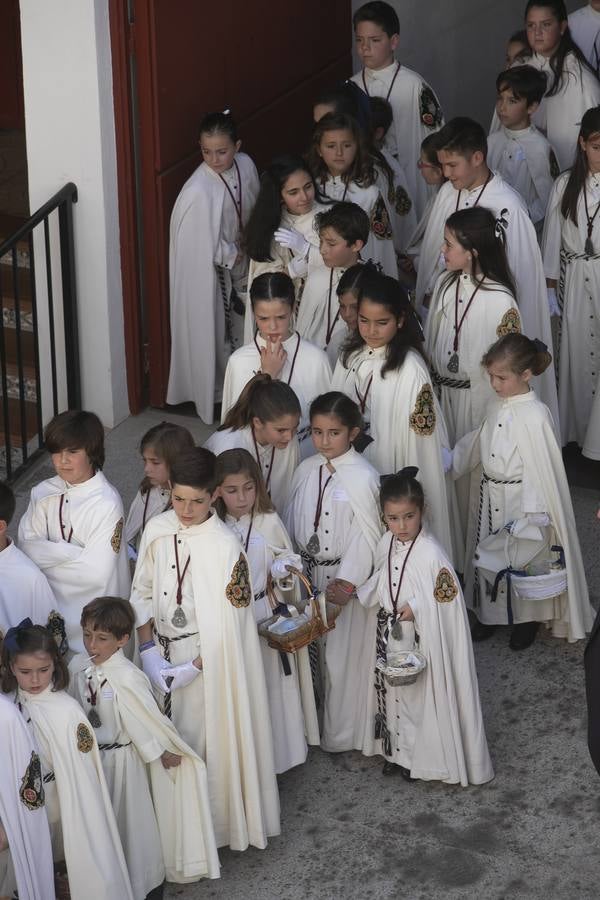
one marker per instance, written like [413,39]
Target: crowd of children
[372,325]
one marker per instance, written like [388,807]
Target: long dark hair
[390,294]
[273,286]
[362,170]
[590,125]
[237,462]
[475,231]
[566,45]
[263,398]
[265,217]
[168,441]
[29,638]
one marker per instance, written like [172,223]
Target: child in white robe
[416,109]
[73,526]
[584,25]
[264,421]
[159,448]
[200,649]
[158,785]
[246,509]
[345,169]
[24,590]
[383,369]
[518,467]
[333,518]
[518,50]
[82,822]
[23,819]
[431,729]
[571,248]
[208,268]
[348,290]
[278,351]
[431,173]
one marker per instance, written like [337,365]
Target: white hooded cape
[24,590]
[525,160]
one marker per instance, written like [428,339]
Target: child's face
[349,309]
[512,112]
[218,151]
[403,518]
[322,109]
[73,466]
[375,48]
[544,31]
[591,148]
[430,173]
[330,437]
[101,645]
[513,50]
[507,383]
[298,193]
[238,493]
[463,172]
[273,319]
[456,258]
[277,433]
[376,324]
[191,505]
[335,251]
[338,150]
[155,468]
[33,671]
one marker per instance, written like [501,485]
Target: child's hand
[406,614]
[272,359]
[182,675]
[170,760]
[339,591]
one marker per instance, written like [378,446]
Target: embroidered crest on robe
[510,323]
[445,587]
[380,221]
[115,541]
[31,791]
[238,590]
[431,112]
[422,418]
[85,741]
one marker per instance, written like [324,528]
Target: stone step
[12,379]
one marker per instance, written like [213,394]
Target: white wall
[69,124]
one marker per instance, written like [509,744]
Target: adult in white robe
[517,465]
[163,815]
[526,161]
[584,25]
[577,275]
[277,466]
[524,260]
[291,696]
[144,507]
[223,714]
[348,530]
[417,114]
[73,533]
[24,590]
[78,801]
[435,725]
[205,263]
[22,810]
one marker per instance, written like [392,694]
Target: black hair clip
[540,346]
[409,472]
[11,637]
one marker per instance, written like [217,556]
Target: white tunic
[78,547]
[348,531]
[417,114]
[525,160]
[398,201]
[415,241]
[578,291]
[143,508]
[24,590]
[584,25]
[203,247]
[291,697]
[318,318]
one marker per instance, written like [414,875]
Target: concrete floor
[350,832]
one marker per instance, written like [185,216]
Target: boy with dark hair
[157,784]
[199,648]
[73,525]
[24,590]
[520,153]
[343,232]
[416,109]
[462,152]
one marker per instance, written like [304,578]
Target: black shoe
[156,893]
[481,632]
[406,774]
[390,768]
[523,635]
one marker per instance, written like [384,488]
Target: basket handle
[312,598]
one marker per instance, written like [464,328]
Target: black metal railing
[28,364]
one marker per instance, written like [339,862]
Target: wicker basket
[306,632]
[397,672]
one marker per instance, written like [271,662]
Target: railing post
[69,289]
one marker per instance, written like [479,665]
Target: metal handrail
[69,190]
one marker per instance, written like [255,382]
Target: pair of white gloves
[165,676]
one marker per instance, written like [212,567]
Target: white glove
[447,457]
[553,302]
[298,267]
[279,566]
[289,237]
[181,675]
[154,665]
[540,519]
[131,553]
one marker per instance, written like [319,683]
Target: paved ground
[349,832]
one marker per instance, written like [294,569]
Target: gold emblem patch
[115,541]
[85,740]
[422,418]
[402,202]
[445,587]
[431,113]
[238,590]
[31,791]
[510,323]
[56,626]
[380,221]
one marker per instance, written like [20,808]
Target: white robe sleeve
[552,239]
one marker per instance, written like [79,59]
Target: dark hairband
[409,472]
[11,638]
[540,346]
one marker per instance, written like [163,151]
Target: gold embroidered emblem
[238,590]
[85,740]
[445,587]
[422,418]
[56,626]
[554,166]
[402,202]
[380,221]
[431,112]
[510,323]
[31,791]
[115,541]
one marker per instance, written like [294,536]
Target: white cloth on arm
[526,161]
